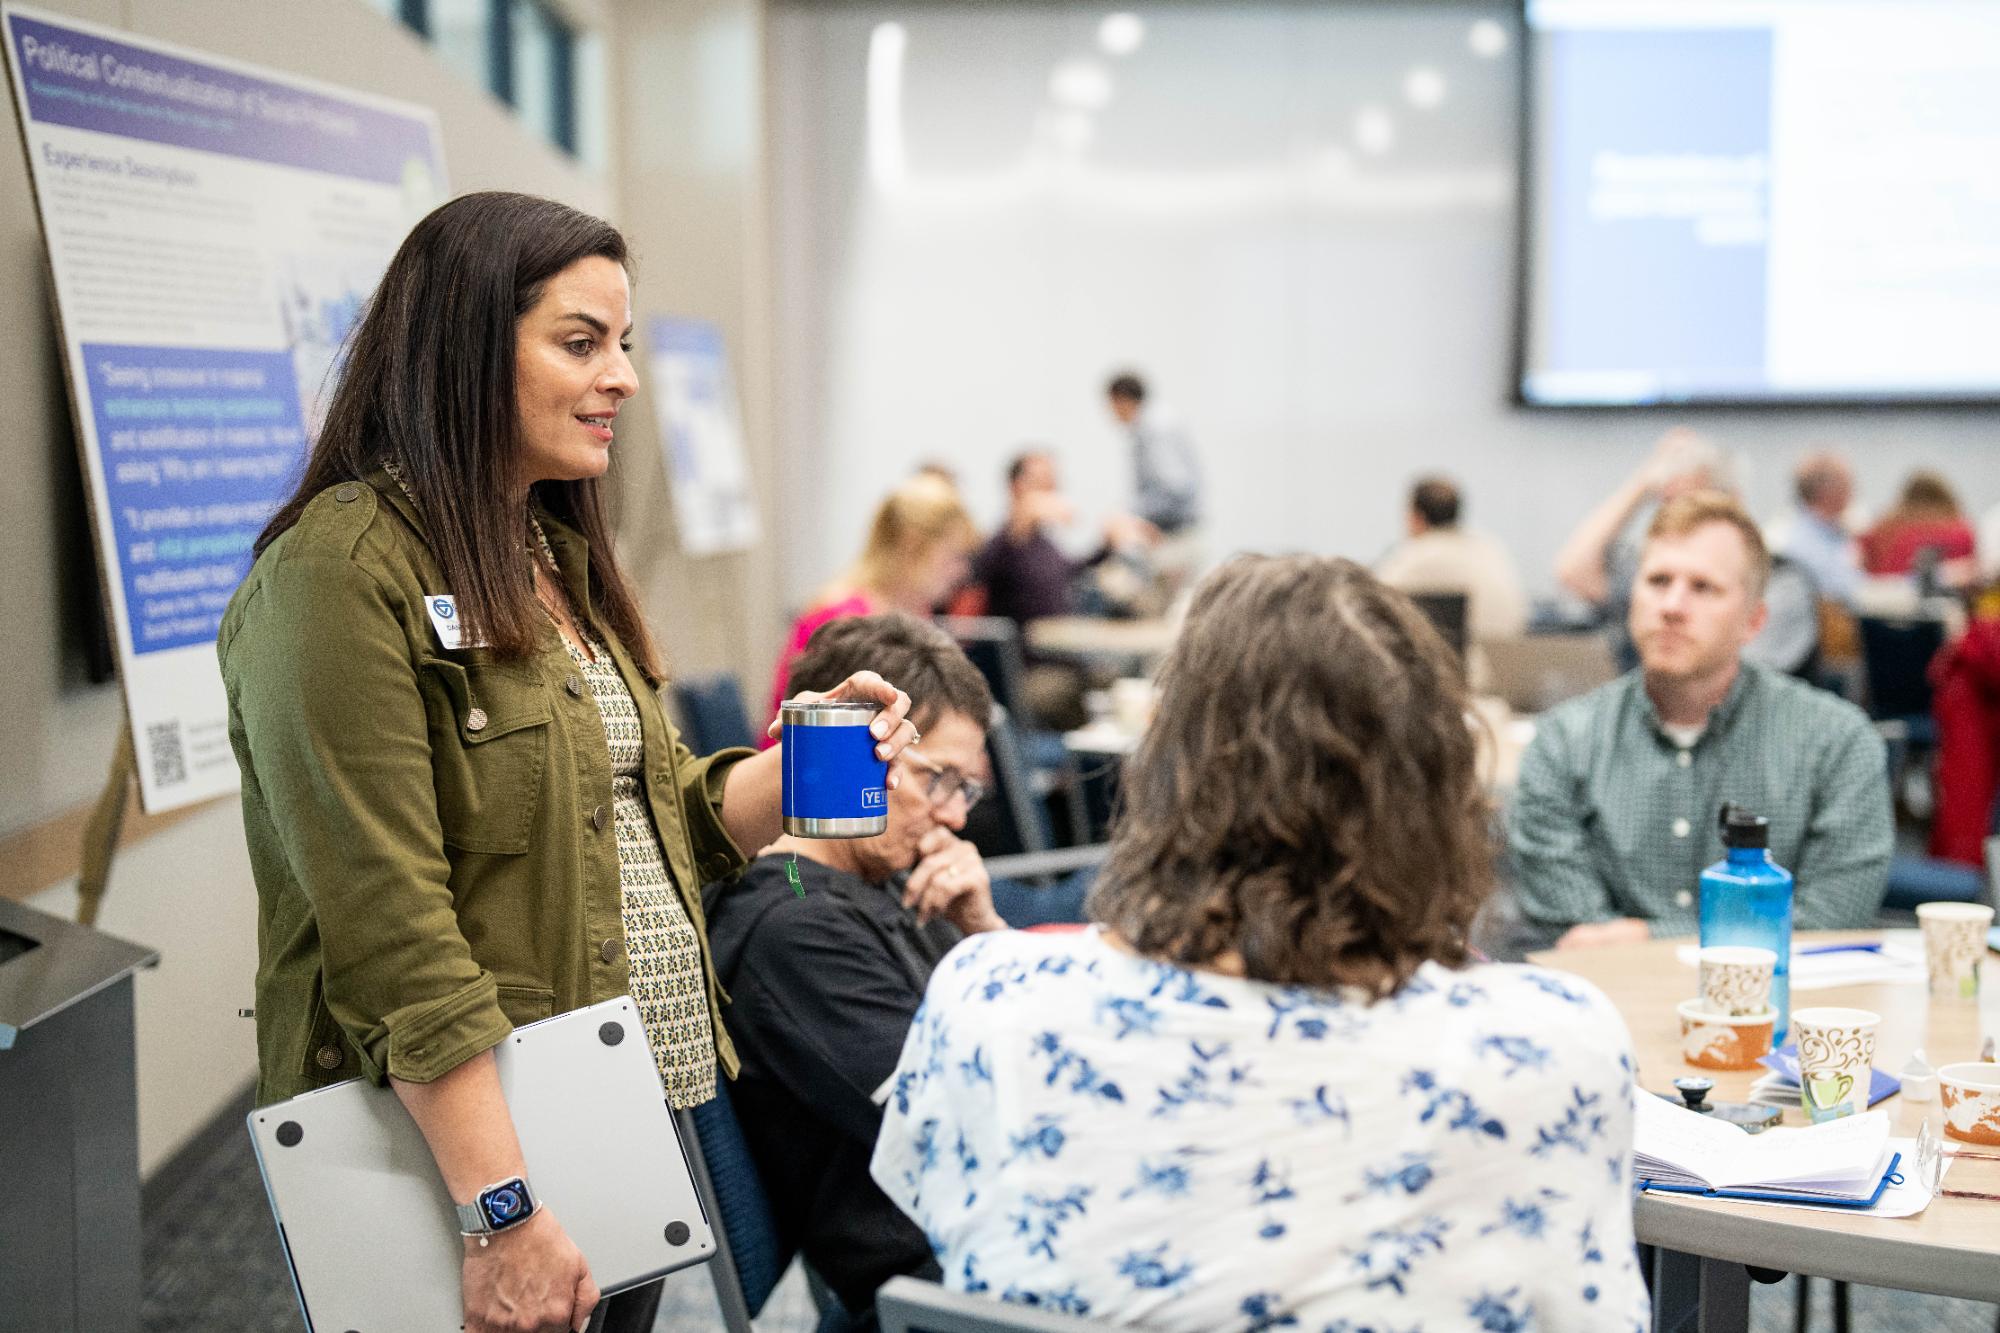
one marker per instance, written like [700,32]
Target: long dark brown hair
[1308,794]
[429,385]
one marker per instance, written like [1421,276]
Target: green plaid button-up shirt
[1612,818]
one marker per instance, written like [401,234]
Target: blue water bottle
[1746,899]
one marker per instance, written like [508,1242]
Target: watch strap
[472,1219]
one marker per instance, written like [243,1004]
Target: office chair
[713,716]
[750,1258]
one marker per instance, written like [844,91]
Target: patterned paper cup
[1736,978]
[1971,1096]
[1724,1041]
[1954,942]
[1836,1060]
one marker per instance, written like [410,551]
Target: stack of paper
[1677,1149]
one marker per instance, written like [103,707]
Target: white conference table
[1952,1248]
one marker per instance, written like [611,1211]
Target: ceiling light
[1121,33]
[1424,87]
[1487,38]
[1374,131]
[1081,85]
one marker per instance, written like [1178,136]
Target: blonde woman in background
[919,549]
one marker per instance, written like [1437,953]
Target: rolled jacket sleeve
[338,740]
[716,854]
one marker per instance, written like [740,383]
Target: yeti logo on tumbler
[834,786]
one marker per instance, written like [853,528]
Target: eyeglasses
[1932,1159]
[945,782]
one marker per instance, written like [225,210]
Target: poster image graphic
[702,434]
[214,230]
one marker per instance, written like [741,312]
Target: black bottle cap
[1740,828]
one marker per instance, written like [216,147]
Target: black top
[1027,580]
[822,990]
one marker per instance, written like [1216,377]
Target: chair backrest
[1447,612]
[1896,656]
[907,1305]
[993,644]
[750,1259]
[712,712]
[1014,788]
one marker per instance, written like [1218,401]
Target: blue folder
[1785,1060]
[1889,1177]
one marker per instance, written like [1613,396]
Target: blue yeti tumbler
[834,786]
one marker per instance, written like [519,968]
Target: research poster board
[213,230]
[702,434]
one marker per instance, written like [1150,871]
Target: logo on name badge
[443,608]
[874,798]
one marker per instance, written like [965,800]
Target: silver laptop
[369,1229]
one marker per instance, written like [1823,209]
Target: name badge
[443,608]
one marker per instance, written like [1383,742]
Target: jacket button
[597,819]
[327,1057]
[476,720]
[347,494]
[607,952]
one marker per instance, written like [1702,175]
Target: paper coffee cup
[1724,1041]
[1970,1092]
[1836,1060]
[1954,942]
[1736,978]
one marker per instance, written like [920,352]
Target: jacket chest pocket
[489,751]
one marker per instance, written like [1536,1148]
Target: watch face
[505,1204]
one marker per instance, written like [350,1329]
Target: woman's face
[571,371]
[953,744]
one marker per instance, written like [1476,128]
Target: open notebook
[1845,1161]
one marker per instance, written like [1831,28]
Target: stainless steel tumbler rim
[828,713]
[863,827]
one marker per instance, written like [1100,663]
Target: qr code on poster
[163,743]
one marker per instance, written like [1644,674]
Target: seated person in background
[919,543]
[824,980]
[1441,556]
[1271,1088]
[1614,816]
[1966,704]
[1601,557]
[1926,518]
[1027,577]
[1817,538]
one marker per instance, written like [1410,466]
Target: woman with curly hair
[1272,1085]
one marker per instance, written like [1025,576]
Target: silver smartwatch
[496,1208]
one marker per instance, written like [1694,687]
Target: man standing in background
[1168,479]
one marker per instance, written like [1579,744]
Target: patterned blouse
[662,951]
[1082,1130]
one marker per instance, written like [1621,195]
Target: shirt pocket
[489,751]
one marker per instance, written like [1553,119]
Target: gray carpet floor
[213,1265]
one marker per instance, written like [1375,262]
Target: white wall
[1327,322]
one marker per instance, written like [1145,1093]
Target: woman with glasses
[825,948]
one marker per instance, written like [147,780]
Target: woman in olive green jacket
[465,806]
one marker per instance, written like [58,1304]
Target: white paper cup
[1954,942]
[1736,978]
[1836,1059]
[1970,1092]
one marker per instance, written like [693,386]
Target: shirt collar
[1719,719]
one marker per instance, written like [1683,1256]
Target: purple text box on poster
[198,446]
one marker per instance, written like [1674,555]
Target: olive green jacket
[431,830]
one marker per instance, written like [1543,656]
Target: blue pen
[1841,948]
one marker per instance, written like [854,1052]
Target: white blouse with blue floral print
[1082,1130]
